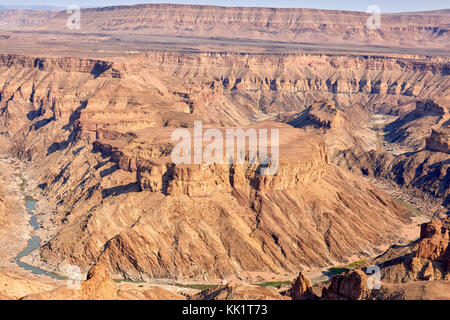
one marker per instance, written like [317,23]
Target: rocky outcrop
[98,286]
[428,107]
[423,264]
[424,260]
[424,173]
[349,286]
[438,141]
[16,283]
[302,289]
[410,132]
[417,160]
[319,115]
[239,292]
[434,246]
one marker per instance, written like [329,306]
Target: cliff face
[132,30]
[416,271]
[206,210]
[422,162]
[430,28]
[94,129]
[304,163]
[438,141]
[24,18]
[167,90]
[98,137]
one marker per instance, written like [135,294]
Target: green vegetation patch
[201,287]
[356,264]
[337,270]
[407,206]
[342,269]
[23,182]
[30,198]
[128,281]
[275,284]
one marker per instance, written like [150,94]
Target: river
[33,243]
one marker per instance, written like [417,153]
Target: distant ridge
[429,29]
[30,7]
[200,6]
[281,26]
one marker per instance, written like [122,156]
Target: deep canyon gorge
[86,119]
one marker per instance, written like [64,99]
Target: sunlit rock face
[94,128]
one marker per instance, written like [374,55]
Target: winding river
[33,243]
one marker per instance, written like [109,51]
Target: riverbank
[34,243]
[14,226]
[15,231]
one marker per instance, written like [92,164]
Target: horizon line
[50,7]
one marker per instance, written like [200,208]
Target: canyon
[86,119]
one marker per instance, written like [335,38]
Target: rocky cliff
[290,25]
[89,115]
[438,141]
[421,164]
[97,134]
[419,270]
[415,271]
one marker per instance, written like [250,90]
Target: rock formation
[351,286]
[404,270]
[421,164]
[438,141]
[100,286]
[302,289]
[239,292]
[92,128]
[290,25]
[319,115]
[102,157]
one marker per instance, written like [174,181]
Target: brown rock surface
[239,292]
[102,157]
[424,259]
[282,26]
[302,288]
[419,162]
[350,286]
[438,141]
[416,271]
[15,283]
[434,242]
[98,286]
[95,127]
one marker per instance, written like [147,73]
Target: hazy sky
[355,5]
